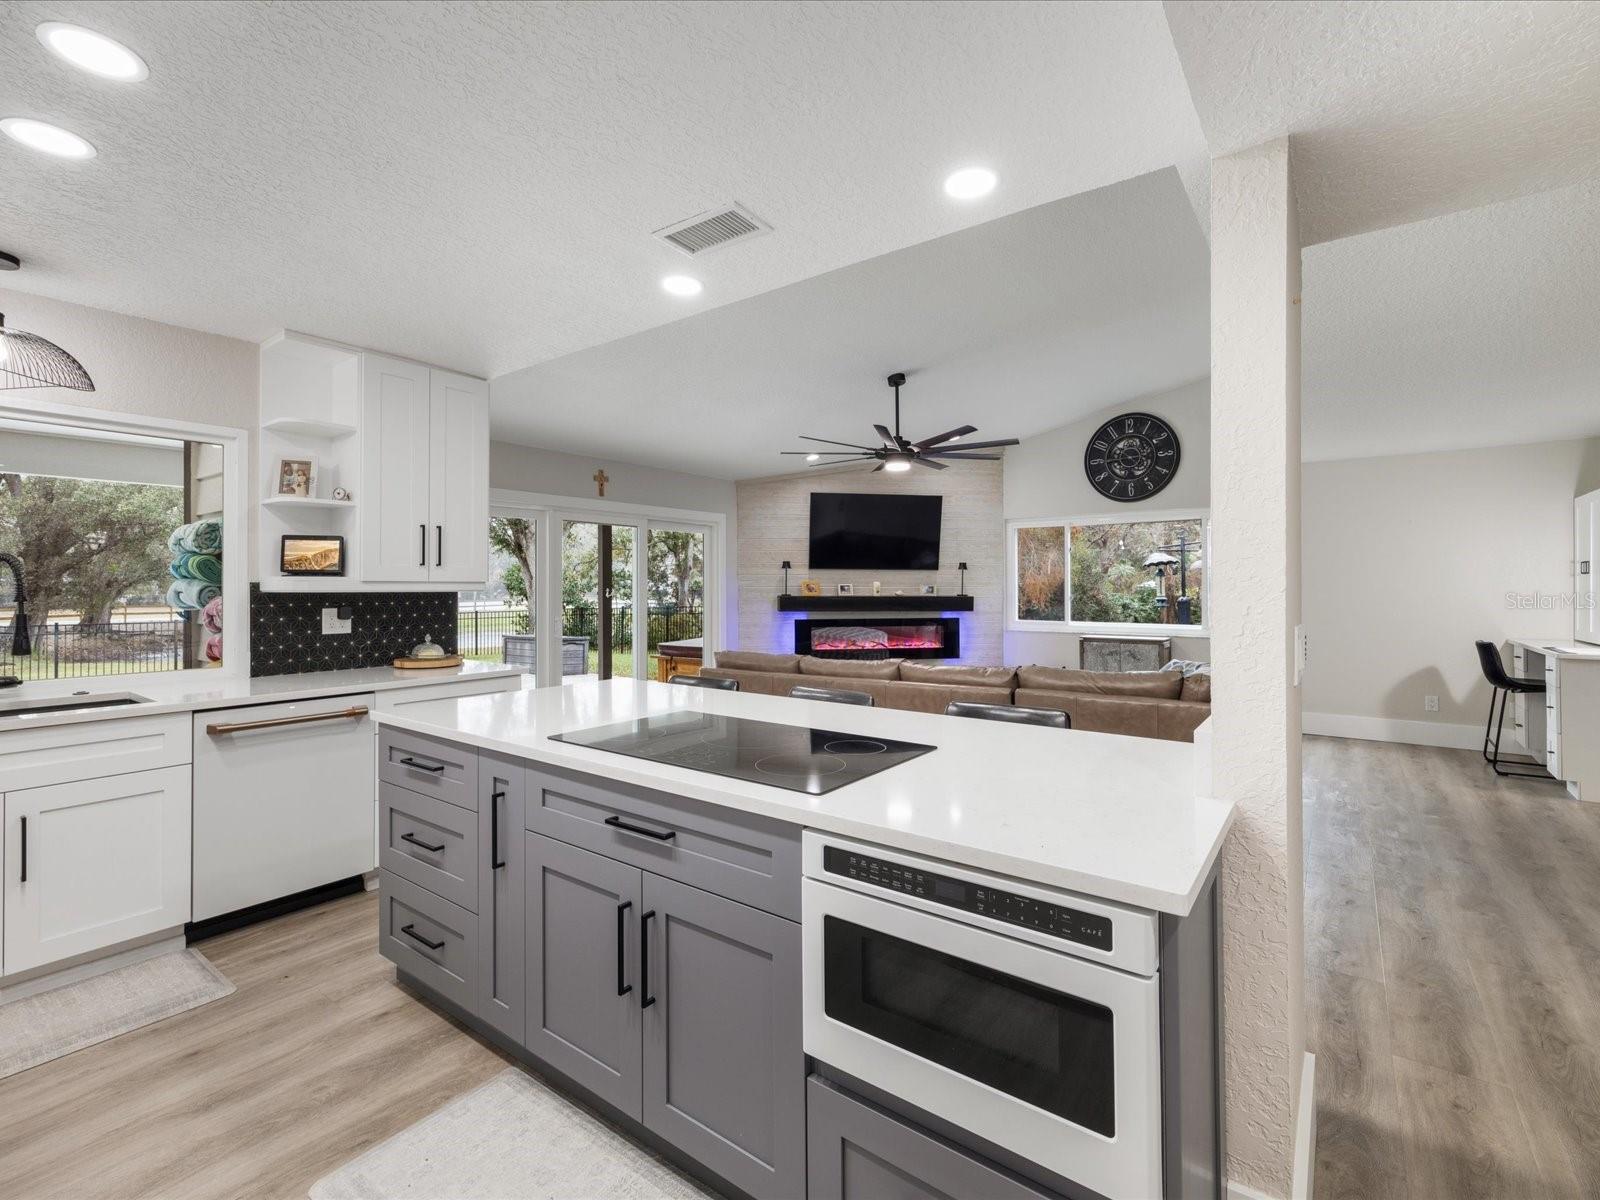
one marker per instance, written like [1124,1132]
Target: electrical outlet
[1430,704]
[336,620]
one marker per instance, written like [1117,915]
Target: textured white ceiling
[475,184]
[1481,328]
[1015,326]
[1399,111]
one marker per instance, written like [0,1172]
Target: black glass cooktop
[787,756]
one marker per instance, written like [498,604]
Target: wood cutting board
[423,664]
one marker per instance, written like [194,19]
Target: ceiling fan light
[897,463]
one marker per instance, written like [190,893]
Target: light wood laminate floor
[315,1057]
[1453,977]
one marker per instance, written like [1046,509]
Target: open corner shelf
[871,604]
[305,502]
[295,427]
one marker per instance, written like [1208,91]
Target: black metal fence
[63,651]
[480,632]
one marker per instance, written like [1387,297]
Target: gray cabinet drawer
[428,937]
[857,1151]
[429,765]
[430,843]
[744,857]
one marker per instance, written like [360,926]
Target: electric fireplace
[879,637]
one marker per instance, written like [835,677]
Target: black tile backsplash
[286,635]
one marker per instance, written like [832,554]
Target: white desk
[1562,726]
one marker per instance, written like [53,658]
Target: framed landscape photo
[311,554]
[297,476]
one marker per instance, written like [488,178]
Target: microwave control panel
[1087,929]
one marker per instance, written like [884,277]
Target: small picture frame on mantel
[847,589]
[930,589]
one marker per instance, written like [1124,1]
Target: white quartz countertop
[200,691]
[1102,814]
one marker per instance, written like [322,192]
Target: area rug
[45,1026]
[514,1138]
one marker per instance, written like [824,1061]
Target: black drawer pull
[645,998]
[436,768]
[411,932]
[619,823]
[495,861]
[416,841]
[24,878]
[623,987]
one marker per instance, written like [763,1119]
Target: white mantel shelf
[1105,815]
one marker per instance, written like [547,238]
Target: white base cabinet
[92,863]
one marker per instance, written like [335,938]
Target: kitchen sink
[69,704]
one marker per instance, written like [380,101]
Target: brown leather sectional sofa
[1156,704]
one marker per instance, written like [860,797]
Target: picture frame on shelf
[930,589]
[847,589]
[311,554]
[296,476]
[810,587]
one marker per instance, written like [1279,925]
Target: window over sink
[119,535]
[1108,574]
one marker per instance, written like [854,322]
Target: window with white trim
[1075,575]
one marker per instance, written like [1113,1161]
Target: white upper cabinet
[404,446]
[396,421]
[458,478]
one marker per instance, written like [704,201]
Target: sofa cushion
[954,676]
[1133,715]
[751,660]
[1154,685]
[851,668]
[1197,687]
[1176,720]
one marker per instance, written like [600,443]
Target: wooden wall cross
[601,479]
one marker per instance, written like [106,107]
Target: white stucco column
[1254,577]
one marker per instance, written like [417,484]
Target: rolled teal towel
[204,567]
[197,537]
[191,593]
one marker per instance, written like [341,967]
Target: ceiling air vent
[714,229]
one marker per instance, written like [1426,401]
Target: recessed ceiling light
[92,52]
[970,183]
[51,139]
[682,285]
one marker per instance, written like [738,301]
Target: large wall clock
[1131,457]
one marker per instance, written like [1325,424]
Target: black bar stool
[1047,717]
[1504,688]
[832,695]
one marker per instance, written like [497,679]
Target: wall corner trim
[1305,1130]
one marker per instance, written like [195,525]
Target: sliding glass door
[675,586]
[599,618]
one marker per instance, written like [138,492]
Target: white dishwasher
[284,800]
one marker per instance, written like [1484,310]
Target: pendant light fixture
[29,361]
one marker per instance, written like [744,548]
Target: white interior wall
[1411,558]
[1044,478]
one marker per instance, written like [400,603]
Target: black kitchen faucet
[21,646]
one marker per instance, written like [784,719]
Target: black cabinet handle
[645,998]
[408,836]
[423,560]
[411,932]
[436,768]
[24,878]
[623,987]
[619,823]
[495,861]
[439,561]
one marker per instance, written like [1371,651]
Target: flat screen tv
[853,531]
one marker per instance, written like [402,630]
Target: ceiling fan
[898,453]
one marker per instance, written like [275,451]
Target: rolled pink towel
[211,615]
[214,647]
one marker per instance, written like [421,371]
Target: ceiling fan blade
[952,455]
[839,462]
[879,467]
[861,454]
[986,445]
[960,431]
[883,432]
[928,462]
[827,442]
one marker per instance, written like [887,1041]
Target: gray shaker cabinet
[724,1065]
[501,908]
[583,968]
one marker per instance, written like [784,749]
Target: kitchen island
[990,960]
